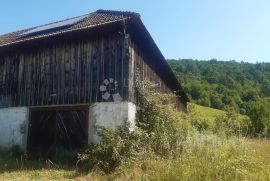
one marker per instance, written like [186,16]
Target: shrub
[230,124]
[259,113]
[161,129]
[158,116]
[117,147]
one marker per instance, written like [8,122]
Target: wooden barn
[60,81]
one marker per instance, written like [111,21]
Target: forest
[228,85]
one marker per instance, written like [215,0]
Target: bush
[229,124]
[158,116]
[161,129]
[259,113]
[117,147]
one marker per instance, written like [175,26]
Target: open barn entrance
[57,132]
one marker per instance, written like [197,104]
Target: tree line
[228,85]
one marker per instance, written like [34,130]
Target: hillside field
[210,114]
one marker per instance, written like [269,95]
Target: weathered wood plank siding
[66,73]
[149,70]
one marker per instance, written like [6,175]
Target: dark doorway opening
[57,133]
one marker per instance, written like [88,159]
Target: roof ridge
[115,12]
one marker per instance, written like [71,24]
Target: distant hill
[223,84]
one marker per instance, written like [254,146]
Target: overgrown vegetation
[160,132]
[206,144]
[169,145]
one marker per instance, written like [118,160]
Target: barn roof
[90,21]
[98,18]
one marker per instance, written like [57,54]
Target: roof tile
[91,20]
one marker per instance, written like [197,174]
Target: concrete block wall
[13,127]
[110,114]
[14,122]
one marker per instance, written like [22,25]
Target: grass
[209,158]
[209,115]
[204,156]
[23,168]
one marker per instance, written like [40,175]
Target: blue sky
[221,29]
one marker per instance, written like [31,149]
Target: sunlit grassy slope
[206,112]
[210,114]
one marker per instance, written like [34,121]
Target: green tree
[259,113]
